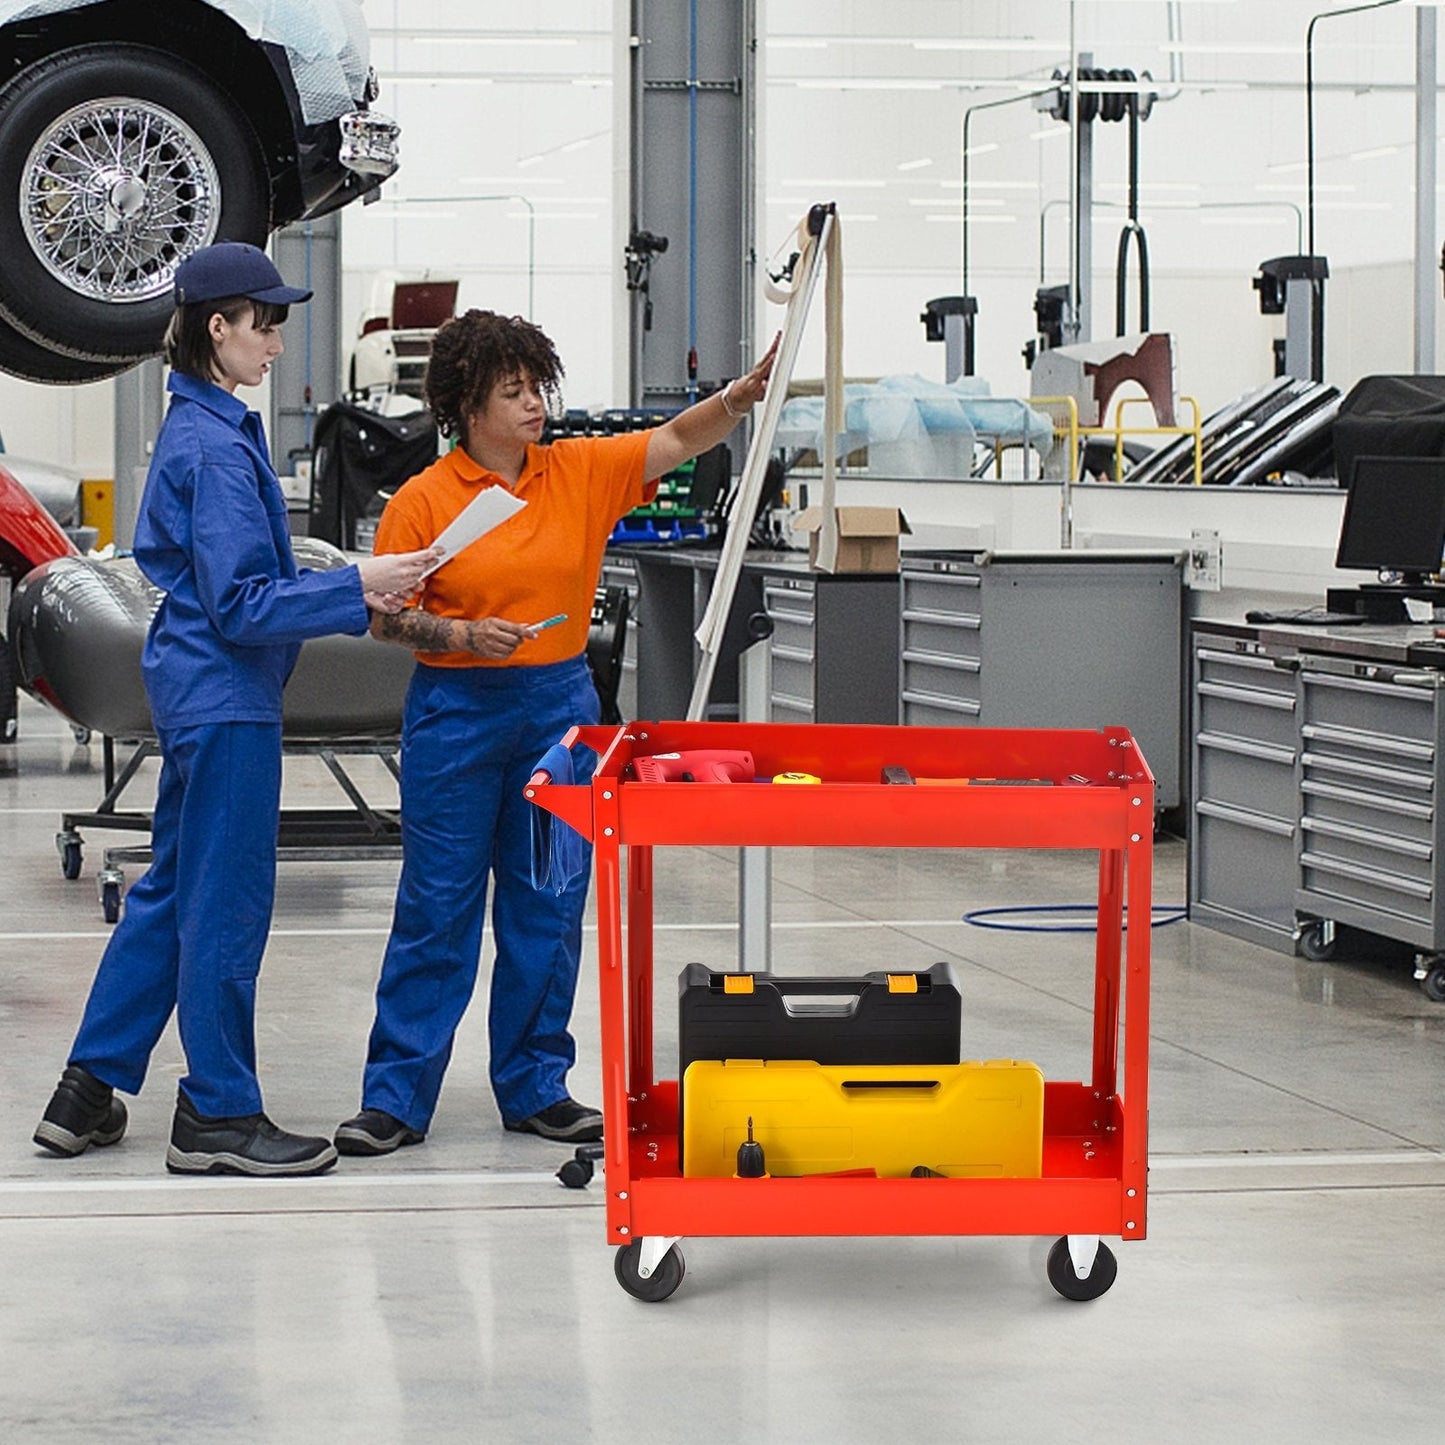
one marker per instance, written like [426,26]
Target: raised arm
[692,432]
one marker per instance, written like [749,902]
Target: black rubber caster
[110,901]
[1314,944]
[661,1283]
[1433,983]
[70,860]
[577,1172]
[1068,1284]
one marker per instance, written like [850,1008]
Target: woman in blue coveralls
[212,534]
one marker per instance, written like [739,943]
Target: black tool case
[885,1017]
[898,1017]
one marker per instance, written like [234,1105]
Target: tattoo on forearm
[424,631]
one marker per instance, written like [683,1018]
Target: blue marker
[546,623]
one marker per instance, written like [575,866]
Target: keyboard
[1309,618]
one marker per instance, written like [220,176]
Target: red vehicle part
[28,535]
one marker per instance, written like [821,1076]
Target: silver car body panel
[326,42]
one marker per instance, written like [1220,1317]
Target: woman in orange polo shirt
[490,694]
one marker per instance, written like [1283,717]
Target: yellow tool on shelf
[971,1120]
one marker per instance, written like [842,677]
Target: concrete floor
[1289,1290]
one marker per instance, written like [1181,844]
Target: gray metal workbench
[834,644]
[1316,765]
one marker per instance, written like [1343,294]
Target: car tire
[30,361]
[91,243]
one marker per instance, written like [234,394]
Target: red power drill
[697,765]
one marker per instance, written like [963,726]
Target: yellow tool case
[966,1121]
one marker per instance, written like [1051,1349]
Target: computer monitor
[1395,517]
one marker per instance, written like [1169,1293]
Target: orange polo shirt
[541,561]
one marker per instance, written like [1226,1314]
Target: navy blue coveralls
[212,533]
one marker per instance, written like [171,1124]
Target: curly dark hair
[471,353]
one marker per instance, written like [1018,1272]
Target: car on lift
[133,132]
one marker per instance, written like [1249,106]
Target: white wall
[864,104]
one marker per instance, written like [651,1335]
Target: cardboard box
[867,537]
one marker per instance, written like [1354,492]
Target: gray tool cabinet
[834,647]
[1316,767]
[1047,639]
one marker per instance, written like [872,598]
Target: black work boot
[374,1131]
[81,1112]
[247,1144]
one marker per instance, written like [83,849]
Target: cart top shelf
[974,787]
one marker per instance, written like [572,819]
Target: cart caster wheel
[1317,941]
[110,901]
[1432,982]
[663,1280]
[1068,1284]
[576,1173]
[70,860]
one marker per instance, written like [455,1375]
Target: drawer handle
[944,704]
[1419,782]
[943,619]
[1258,821]
[1401,806]
[1390,882]
[1384,841]
[1413,686]
[1254,696]
[1261,662]
[1246,747]
[1369,742]
[791,654]
[940,659]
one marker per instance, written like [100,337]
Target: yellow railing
[1119,431]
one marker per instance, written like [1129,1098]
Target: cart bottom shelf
[1082,1188]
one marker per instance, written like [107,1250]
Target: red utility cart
[1075,789]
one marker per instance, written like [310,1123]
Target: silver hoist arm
[819,242]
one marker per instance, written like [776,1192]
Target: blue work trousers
[195,922]
[470,739]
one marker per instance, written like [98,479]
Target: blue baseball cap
[233,268]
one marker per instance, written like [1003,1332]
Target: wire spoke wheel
[117,193]
[116,163]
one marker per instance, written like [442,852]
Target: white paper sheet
[488,509]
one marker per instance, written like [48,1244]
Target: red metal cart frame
[1095,1153]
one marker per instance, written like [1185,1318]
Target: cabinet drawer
[794,600]
[1244,864]
[1337,799]
[942,636]
[793,679]
[952,678]
[792,637]
[934,592]
[1245,773]
[1257,671]
[1373,883]
[1376,708]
